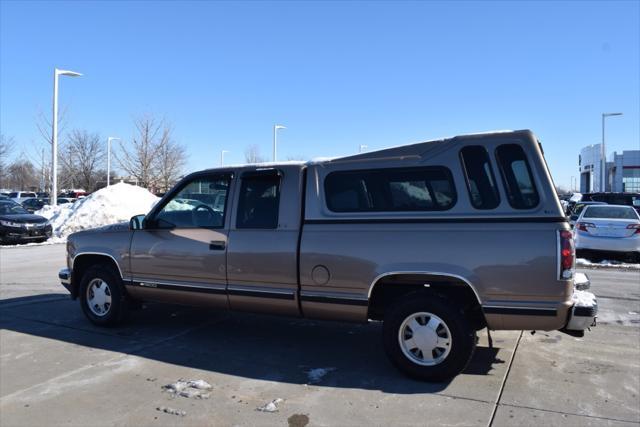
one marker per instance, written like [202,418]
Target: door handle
[217,245]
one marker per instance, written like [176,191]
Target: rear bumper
[619,244]
[583,313]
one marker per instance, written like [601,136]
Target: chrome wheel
[425,339]
[98,297]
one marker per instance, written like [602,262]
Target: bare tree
[6,147]
[22,175]
[86,156]
[152,158]
[171,160]
[252,155]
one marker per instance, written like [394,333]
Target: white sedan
[610,228]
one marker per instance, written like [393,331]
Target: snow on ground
[582,262]
[110,205]
[315,375]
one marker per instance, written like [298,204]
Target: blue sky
[337,74]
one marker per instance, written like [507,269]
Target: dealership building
[622,171]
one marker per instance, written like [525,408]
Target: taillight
[634,226]
[567,255]
[584,226]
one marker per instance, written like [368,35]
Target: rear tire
[427,337]
[102,296]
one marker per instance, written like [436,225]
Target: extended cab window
[481,182]
[517,177]
[392,190]
[199,203]
[259,201]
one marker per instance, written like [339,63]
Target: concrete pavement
[57,369]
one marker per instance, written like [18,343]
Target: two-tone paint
[322,264]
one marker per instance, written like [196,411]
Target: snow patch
[271,406]
[189,388]
[315,375]
[110,205]
[583,299]
[607,264]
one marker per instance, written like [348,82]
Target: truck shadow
[247,345]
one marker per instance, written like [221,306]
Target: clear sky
[337,74]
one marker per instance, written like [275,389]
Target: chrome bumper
[583,313]
[65,279]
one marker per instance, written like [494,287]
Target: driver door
[179,255]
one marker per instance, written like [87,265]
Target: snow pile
[110,205]
[583,262]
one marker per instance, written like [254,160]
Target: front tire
[102,296]
[428,338]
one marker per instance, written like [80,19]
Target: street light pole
[222,157]
[275,140]
[111,138]
[603,153]
[54,136]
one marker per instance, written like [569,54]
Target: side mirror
[136,222]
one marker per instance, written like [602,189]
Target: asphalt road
[57,369]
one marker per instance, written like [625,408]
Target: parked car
[610,228]
[577,210]
[34,204]
[18,225]
[21,196]
[422,237]
[626,199]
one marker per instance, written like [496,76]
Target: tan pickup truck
[437,239]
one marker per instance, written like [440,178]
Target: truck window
[259,202]
[390,190]
[481,182]
[517,177]
[195,205]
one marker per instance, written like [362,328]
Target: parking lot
[57,369]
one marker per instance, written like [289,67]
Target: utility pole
[54,137]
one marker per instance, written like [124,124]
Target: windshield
[11,209]
[610,212]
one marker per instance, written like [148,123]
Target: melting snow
[191,388]
[271,406]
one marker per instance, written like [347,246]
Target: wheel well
[390,288]
[82,262]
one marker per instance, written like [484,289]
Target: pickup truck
[436,239]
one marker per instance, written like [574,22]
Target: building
[623,171]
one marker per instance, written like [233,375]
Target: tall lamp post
[603,153]
[111,138]
[54,136]
[275,140]
[222,157]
